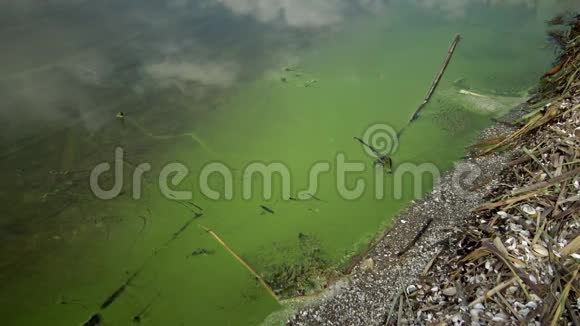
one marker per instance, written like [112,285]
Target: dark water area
[220,87]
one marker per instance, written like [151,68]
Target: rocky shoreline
[496,241]
[366,299]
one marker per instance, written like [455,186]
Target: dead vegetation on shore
[516,259]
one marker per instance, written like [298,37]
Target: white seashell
[475,312]
[525,233]
[550,270]
[524,312]
[532,305]
[488,265]
[528,209]
[543,176]
[518,305]
[478,306]
[512,289]
[515,227]
[502,214]
[540,250]
[500,318]
[525,244]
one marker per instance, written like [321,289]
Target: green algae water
[234,85]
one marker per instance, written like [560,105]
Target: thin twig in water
[435,83]
[120,290]
[239,259]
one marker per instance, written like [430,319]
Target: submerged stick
[435,81]
[239,259]
[120,290]
[183,228]
[139,316]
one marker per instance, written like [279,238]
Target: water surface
[234,82]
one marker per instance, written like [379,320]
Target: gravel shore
[365,300]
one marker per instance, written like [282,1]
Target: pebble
[450,292]
[367,265]
[532,305]
[411,289]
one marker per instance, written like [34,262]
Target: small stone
[450,292]
[500,318]
[488,265]
[478,306]
[512,289]
[367,265]
[524,312]
[502,214]
[475,312]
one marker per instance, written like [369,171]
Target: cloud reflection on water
[164,43]
[301,13]
[206,73]
[454,9]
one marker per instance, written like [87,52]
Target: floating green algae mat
[300,108]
